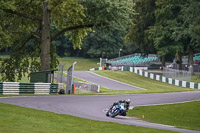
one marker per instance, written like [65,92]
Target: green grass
[15,119]
[182,115]
[82,64]
[152,86]
[3,57]
[25,79]
[196,77]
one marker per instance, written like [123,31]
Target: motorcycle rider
[126,105]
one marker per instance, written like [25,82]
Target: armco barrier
[16,88]
[10,88]
[1,88]
[54,88]
[26,88]
[41,88]
[140,71]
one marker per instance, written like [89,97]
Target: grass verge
[196,77]
[22,120]
[150,85]
[182,115]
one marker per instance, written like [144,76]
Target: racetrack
[92,107]
[103,81]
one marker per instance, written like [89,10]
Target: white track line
[117,81]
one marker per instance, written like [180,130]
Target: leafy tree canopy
[142,19]
[25,28]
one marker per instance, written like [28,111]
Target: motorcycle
[118,109]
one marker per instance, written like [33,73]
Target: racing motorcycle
[118,109]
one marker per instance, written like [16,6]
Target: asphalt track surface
[93,107]
[103,81]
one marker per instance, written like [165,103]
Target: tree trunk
[179,54]
[191,54]
[45,46]
[163,61]
[190,60]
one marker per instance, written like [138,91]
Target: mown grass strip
[15,119]
[182,115]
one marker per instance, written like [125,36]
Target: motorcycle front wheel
[115,113]
[107,114]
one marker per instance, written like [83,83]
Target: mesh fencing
[103,62]
[59,76]
[82,87]
[85,88]
[177,74]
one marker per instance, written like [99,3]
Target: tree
[26,21]
[143,18]
[104,44]
[177,28]
[190,15]
[108,38]
[168,22]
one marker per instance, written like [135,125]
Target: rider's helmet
[128,101]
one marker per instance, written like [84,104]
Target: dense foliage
[169,26]
[94,28]
[29,28]
[143,18]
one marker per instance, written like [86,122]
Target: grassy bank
[150,85]
[182,115]
[82,64]
[22,120]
